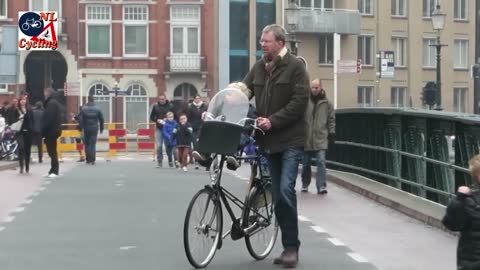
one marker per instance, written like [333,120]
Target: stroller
[8,144]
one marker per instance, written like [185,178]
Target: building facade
[401,26]
[141,47]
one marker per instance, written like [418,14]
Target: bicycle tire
[204,229]
[257,197]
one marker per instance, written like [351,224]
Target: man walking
[278,81]
[37,128]
[320,122]
[52,128]
[158,115]
[91,119]
[195,112]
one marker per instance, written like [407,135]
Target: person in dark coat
[280,86]
[52,128]
[194,113]
[183,135]
[463,215]
[37,113]
[158,115]
[10,111]
[91,120]
[24,135]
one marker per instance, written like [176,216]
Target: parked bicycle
[203,228]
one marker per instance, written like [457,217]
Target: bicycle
[31,22]
[257,223]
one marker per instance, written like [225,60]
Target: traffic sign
[387,64]
[346,66]
[71,88]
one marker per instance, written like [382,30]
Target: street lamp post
[292,25]
[438,23]
[115,89]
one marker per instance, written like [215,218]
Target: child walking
[463,215]
[170,143]
[183,135]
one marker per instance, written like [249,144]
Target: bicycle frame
[225,196]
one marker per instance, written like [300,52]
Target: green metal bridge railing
[422,152]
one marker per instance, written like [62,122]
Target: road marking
[19,209]
[28,201]
[35,194]
[2,228]
[125,158]
[336,242]
[318,229]
[47,182]
[304,219]
[127,247]
[357,257]
[41,188]
[9,219]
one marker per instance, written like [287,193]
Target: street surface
[127,214]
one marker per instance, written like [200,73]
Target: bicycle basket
[219,137]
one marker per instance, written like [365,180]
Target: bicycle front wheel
[202,229]
[261,223]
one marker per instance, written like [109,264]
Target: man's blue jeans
[284,171]
[321,169]
[159,139]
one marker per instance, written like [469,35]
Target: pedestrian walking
[37,112]
[170,143]
[278,81]
[320,125]
[91,121]
[463,215]
[10,111]
[158,114]
[81,139]
[195,112]
[52,128]
[183,135]
[22,118]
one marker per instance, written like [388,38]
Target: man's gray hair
[277,30]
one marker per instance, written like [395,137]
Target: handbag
[17,125]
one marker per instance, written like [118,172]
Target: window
[399,8]
[316,4]
[428,8]
[135,30]
[365,7]
[400,48]
[461,53]
[99,22]
[460,9]
[3,88]
[365,50]
[102,97]
[460,99]
[44,5]
[3,9]
[325,53]
[365,96]
[429,53]
[136,107]
[185,30]
[398,96]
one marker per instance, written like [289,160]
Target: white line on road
[336,242]
[35,194]
[2,228]
[127,247]
[29,201]
[19,209]
[9,219]
[41,188]
[304,219]
[47,182]
[318,229]
[357,257]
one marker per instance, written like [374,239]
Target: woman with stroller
[22,117]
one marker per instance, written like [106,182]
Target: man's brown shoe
[279,259]
[290,258]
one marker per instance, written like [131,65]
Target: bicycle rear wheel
[262,224]
[202,229]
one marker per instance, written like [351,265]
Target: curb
[8,166]
[425,211]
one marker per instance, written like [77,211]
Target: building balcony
[324,21]
[185,64]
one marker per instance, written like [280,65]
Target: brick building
[144,47]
